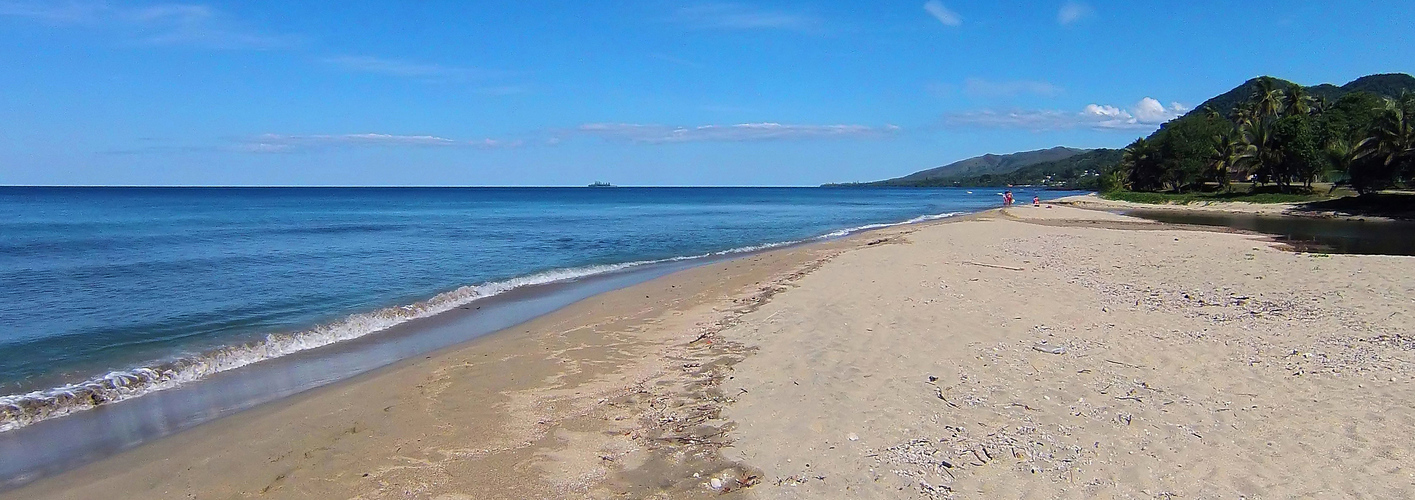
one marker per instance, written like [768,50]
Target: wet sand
[1027,352]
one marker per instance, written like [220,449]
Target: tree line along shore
[1266,141]
[1283,136]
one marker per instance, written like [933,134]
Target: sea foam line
[19,410]
[867,227]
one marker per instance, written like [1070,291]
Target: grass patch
[1188,198]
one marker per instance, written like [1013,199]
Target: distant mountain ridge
[1385,85]
[1082,168]
[988,164]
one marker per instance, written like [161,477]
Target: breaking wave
[20,410]
[867,227]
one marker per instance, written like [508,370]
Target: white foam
[20,410]
[867,227]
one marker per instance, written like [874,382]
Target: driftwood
[1121,363]
[995,266]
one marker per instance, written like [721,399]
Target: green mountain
[1295,149]
[1352,106]
[989,164]
[1388,85]
[1385,85]
[1077,172]
[1080,171]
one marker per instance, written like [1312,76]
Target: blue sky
[643,93]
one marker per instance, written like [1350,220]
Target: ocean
[111,295]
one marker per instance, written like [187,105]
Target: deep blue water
[103,281]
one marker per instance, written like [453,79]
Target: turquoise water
[111,293]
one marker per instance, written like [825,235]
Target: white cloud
[1073,11]
[164,24]
[979,87]
[1106,111]
[1147,114]
[734,16]
[1149,110]
[657,134]
[277,143]
[942,13]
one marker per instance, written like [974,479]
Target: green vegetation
[1283,135]
[1276,135]
[1198,197]
[986,166]
[1062,168]
[1082,171]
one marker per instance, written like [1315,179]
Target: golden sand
[1026,352]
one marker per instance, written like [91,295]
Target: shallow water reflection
[1306,234]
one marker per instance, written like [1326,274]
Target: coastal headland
[1024,352]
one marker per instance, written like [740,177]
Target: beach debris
[1049,349]
[938,391]
[1121,363]
[853,437]
[994,266]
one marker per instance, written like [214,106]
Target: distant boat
[601,185]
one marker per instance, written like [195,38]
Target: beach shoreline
[859,365]
[505,344]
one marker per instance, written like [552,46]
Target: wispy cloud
[408,69]
[277,143]
[1147,114]
[1073,11]
[502,90]
[162,24]
[55,12]
[624,132]
[734,16]
[198,25]
[978,87]
[943,14]
[743,132]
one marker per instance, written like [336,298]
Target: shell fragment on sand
[1049,349]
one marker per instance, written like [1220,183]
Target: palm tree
[1296,101]
[1243,113]
[1392,140]
[1266,98]
[1321,104]
[1230,154]
[1342,154]
[1261,153]
[1139,163]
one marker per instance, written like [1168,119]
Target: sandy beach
[1024,352]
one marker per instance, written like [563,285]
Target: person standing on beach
[1007,199]
[1036,201]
